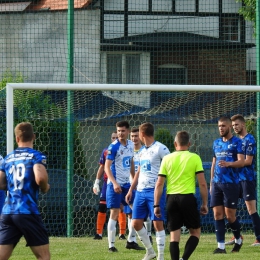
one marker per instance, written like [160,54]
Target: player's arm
[132,169]
[212,170]
[248,160]
[236,164]
[41,177]
[203,193]
[158,194]
[128,196]
[96,188]
[3,184]
[110,176]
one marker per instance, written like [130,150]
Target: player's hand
[128,197]
[96,188]
[204,210]
[117,188]
[157,212]
[223,163]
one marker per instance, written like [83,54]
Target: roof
[56,5]
[171,39]
[52,5]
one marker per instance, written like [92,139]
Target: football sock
[160,240]
[190,246]
[256,224]
[174,250]
[235,227]
[148,226]
[142,234]
[111,232]
[122,223]
[220,231]
[131,232]
[101,220]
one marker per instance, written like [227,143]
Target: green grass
[88,249]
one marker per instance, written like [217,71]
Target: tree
[49,121]
[164,136]
[248,10]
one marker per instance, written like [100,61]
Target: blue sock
[256,224]
[220,230]
[235,227]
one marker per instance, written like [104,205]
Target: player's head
[147,129]
[113,136]
[182,138]
[24,132]
[134,136]
[122,128]
[238,124]
[224,126]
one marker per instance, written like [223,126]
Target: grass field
[87,248]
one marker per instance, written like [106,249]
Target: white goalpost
[73,153]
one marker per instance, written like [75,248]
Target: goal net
[74,122]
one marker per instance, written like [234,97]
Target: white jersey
[150,161]
[122,157]
[136,162]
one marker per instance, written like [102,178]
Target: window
[230,29]
[126,68]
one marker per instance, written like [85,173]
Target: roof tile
[55,5]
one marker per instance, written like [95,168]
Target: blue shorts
[144,202]
[127,208]
[115,199]
[13,227]
[224,194]
[248,190]
[103,192]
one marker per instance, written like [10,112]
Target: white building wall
[35,45]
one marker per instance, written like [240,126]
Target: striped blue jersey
[121,157]
[248,173]
[23,191]
[228,152]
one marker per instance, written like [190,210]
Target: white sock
[131,231]
[148,226]
[142,234]
[238,241]
[111,232]
[221,245]
[160,240]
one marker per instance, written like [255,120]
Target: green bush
[164,136]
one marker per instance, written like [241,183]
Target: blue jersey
[23,191]
[249,147]
[226,151]
[121,157]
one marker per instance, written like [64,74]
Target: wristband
[156,206]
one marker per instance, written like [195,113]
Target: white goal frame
[10,87]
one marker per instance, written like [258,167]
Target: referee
[180,170]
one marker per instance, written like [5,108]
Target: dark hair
[182,138]
[24,131]
[147,128]
[225,119]
[123,124]
[134,130]
[238,117]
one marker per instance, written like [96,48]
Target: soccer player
[150,155]
[247,176]
[131,240]
[228,158]
[180,170]
[23,173]
[119,166]
[102,209]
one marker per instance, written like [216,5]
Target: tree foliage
[248,10]
[49,122]
[164,136]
